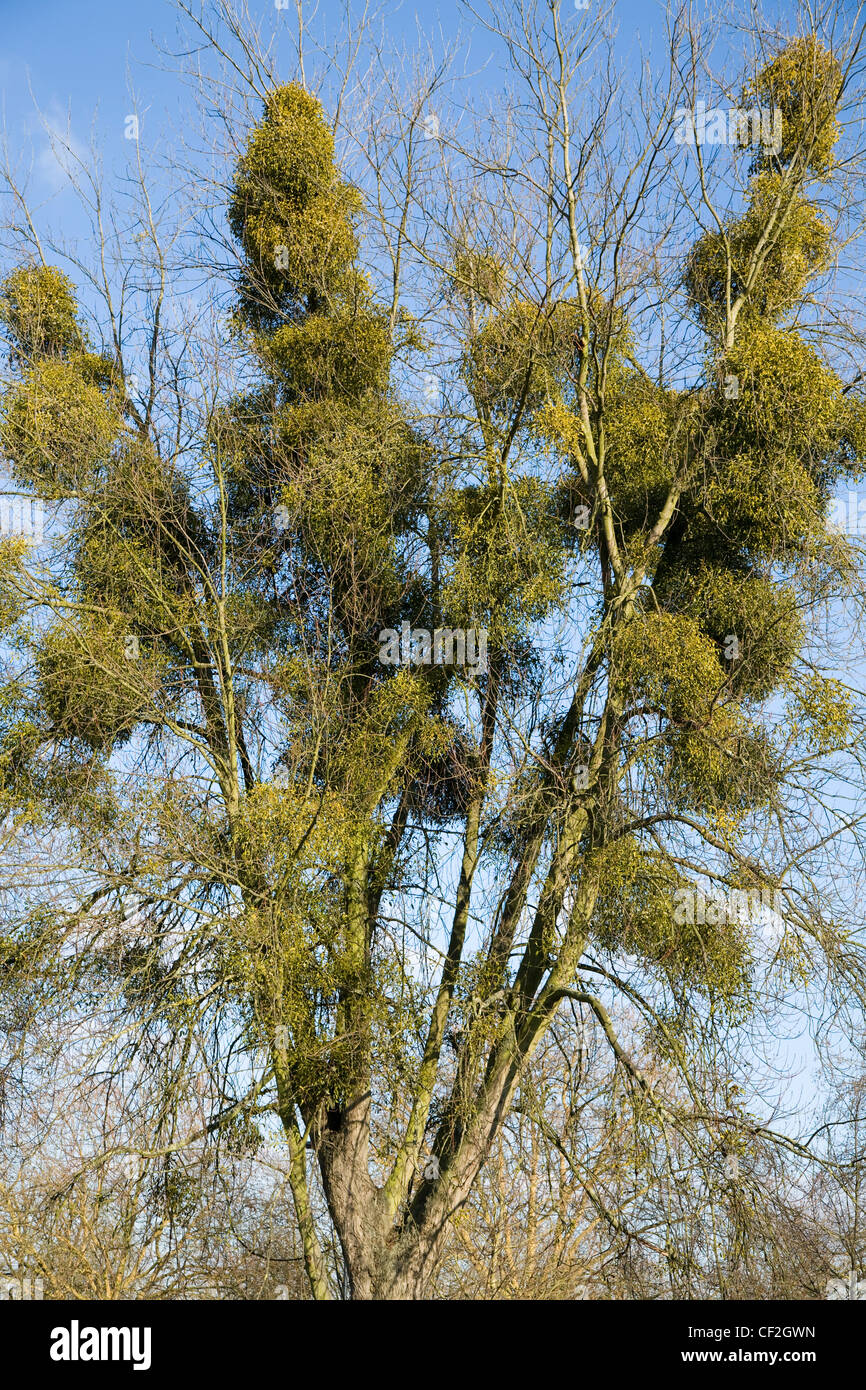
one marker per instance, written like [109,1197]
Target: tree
[372,734]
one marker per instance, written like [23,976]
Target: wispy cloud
[61,154]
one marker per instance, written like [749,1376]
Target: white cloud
[61,155]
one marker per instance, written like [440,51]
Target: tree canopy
[362,899]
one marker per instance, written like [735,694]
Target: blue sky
[80,57]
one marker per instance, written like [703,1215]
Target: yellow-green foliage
[134,538]
[14,551]
[376,743]
[761,615]
[361,754]
[728,764]
[478,273]
[262,446]
[345,354]
[289,946]
[307,690]
[635,913]
[289,205]
[799,249]
[803,83]
[144,496]
[638,460]
[32,785]
[118,570]
[523,354]
[852,434]
[639,465]
[768,503]
[88,689]
[306,425]
[664,661]
[322,440]
[789,400]
[505,561]
[292,838]
[39,311]
[395,704]
[820,712]
[56,428]
[531,353]
[781,441]
[561,427]
[20,738]
[355,489]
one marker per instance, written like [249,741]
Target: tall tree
[312,827]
